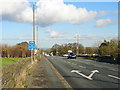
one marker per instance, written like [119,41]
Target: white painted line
[78,72]
[74,64]
[82,66]
[93,72]
[114,77]
[88,77]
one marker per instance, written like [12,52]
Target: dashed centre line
[114,77]
[76,64]
[82,66]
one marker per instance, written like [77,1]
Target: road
[83,73]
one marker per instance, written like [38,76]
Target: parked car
[65,55]
[71,55]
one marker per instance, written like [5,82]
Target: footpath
[44,75]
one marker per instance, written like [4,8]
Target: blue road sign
[31,45]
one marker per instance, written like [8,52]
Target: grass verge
[7,61]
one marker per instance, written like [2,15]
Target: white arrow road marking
[93,72]
[114,77]
[88,77]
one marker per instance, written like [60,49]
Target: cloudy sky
[59,21]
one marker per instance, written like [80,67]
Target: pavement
[44,75]
[83,73]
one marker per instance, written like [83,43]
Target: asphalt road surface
[83,73]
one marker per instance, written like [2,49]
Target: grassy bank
[7,61]
[14,72]
[102,59]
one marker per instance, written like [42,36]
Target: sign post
[32,48]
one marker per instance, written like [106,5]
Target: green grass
[7,61]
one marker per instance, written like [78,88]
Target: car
[65,55]
[71,55]
[47,55]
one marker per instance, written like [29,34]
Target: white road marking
[74,64]
[114,77]
[82,66]
[93,72]
[88,77]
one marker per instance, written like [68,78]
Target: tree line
[106,48]
[19,50]
[63,49]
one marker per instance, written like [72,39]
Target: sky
[59,22]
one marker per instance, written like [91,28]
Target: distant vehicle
[69,51]
[47,55]
[71,55]
[95,54]
[65,55]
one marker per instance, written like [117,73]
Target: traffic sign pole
[31,57]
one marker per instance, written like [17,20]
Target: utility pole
[77,45]
[33,29]
[36,40]
[36,37]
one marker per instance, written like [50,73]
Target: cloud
[16,10]
[53,11]
[105,22]
[53,34]
[103,13]
[47,12]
